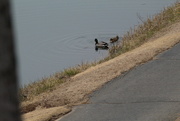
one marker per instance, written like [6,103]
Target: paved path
[149,92]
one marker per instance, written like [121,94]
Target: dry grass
[140,34]
[46,114]
[50,83]
[71,86]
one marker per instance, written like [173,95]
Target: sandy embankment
[76,90]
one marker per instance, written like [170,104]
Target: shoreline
[75,88]
[78,88]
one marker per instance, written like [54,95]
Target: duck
[101,44]
[114,39]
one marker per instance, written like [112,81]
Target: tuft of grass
[71,71]
[130,40]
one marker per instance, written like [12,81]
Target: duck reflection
[105,48]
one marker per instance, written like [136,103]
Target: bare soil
[76,90]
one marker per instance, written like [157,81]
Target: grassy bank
[132,39]
[138,35]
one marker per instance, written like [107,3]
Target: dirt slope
[76,90]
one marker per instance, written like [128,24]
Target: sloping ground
[46,114]
[76,90]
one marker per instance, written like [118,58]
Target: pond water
[52,35]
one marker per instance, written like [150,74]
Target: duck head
[96,41]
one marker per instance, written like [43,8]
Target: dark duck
[101,45]
[114,39]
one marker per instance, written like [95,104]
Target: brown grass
[46,114]
[50,83]
[140,34]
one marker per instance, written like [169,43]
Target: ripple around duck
[75,47]
[79,43]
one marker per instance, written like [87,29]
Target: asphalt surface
[149,92]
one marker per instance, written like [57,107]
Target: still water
[52,35]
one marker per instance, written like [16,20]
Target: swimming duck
[114,39]
[101,44]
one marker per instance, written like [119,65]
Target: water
[52,35]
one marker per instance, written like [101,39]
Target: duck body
[101,44]
[114,39]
